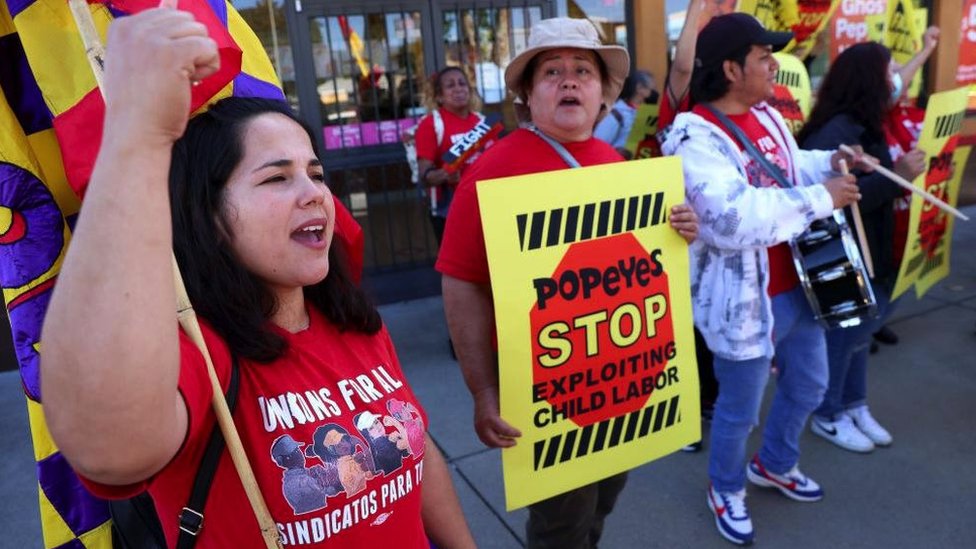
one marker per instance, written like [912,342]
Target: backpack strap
[438,126]
[558,147]
[620,123]
[191,517]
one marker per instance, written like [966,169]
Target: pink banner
[850,24]
[966,73]
[365,134]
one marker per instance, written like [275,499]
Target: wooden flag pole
[188,319]
[859,228]
[907,185]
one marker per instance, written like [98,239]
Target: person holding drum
[852,106]
[738,155]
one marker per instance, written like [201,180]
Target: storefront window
[609,16]
[482,42]
[368,71]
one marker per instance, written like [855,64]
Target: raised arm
[679,76]
[110,362]
[930,41]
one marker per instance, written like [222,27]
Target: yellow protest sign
[926,257]
[791,93]
[593,315]
[776,15]
[806,19]
[939,233]
[814,15]
[900,29]
[642,141]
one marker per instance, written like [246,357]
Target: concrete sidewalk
[918,493]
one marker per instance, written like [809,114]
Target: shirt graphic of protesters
[387,452]
[348,453]
[305,488]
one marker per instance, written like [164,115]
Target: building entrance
[366,65]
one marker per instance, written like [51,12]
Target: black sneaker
[886,336]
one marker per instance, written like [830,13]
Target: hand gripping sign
[592,307]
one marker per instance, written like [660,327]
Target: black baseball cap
[726,34]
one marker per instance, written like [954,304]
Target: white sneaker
[843,433]
[864,421]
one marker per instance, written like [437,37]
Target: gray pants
[573,520]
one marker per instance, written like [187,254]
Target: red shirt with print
[332,430]
[462,254]
[455,128]
[782,272]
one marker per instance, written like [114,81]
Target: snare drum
[833,274]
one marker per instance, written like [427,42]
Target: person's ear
[732,70]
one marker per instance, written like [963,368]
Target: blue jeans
[801,359]
[847,355]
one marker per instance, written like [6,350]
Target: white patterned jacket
[729,265]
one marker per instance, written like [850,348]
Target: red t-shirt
[667,112]
[455,128]
[326,482]
[462,254]
[782,272]
[902,129]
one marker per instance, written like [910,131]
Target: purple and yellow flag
[50,130]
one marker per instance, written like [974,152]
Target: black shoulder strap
[750,148]
[191,517]
[620,123]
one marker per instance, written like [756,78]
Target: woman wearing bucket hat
[566,78]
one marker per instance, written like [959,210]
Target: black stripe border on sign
[560,226]
[609,433]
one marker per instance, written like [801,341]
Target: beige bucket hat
[565,32]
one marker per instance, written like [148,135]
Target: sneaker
[843,433]
[692,448]
[794,484]
[731,516]
[864,421]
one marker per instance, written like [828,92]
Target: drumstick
[907,185]
[859,227]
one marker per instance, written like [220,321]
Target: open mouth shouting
[569,101]
[311,234]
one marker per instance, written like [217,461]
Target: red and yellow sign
[791,93]
[593,313]
[642,141]
[927,250]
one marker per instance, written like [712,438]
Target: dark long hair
[234,301]
[709,83]
[855,85]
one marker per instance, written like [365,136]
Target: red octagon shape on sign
[933,222]
[602,332]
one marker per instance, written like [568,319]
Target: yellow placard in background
[642,141]
[593,314]
[926,257]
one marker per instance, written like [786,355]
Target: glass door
[362,72]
